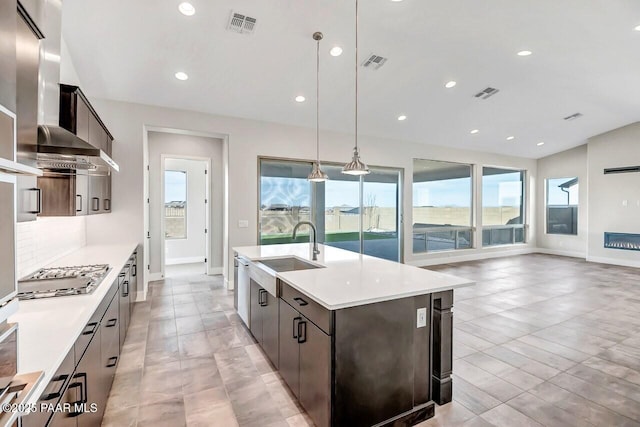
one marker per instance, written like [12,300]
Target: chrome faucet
[316,251]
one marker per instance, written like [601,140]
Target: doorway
[185,215]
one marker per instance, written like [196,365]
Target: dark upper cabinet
[8,54]
[79,117]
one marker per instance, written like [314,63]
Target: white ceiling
[586,58]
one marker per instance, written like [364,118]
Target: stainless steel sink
[287,264]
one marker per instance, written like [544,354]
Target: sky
[555,196]
[175,186]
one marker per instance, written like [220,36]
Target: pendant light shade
[317,175]
[356,166]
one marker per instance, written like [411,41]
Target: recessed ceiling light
[511,138]
[473,132]
[524,53]
[402,117]
[180,75]
[540,144]
[336,51]
[450,84]
[187,9]
[637,28]
[300,98]
[396,1]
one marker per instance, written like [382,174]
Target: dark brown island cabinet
[368,365]
[83,380]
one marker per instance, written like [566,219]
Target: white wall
[566,164]
[248,139]
[607,193]
[192,248]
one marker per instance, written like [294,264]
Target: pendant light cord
[356,146]
[318,102]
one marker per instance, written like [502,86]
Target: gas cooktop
[62,281]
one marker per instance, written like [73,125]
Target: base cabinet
[85,377]
[264,321]
[305,363]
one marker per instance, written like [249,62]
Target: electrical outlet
[243,223]
[422,317]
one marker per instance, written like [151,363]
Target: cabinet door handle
[112,361]
[95,204]
[82,384]
[79,199]
[295,326]
[56,394]
[302,332]
[125,288]
[300,301]
[134,270]
[263,301]
[107,204]
[111,323]
[88,331]
[38,201]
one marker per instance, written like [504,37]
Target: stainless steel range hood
[60,149]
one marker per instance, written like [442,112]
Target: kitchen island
[359,340]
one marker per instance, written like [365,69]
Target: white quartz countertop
[49,327]
[349,279]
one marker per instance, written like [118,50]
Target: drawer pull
[262,301]
[83,393]
[87,331]
[111,323]
[112,361]
[55,395]
[300,301]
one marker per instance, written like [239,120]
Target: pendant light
[355,166]
[316,174]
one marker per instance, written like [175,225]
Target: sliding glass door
[359,214]
[381,214]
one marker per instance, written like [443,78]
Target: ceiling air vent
[241,23]
[486,93]
[573,117]
[374,62]
[627,169]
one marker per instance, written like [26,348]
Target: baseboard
[614,261]
[215,271]
[229,284]
[572,254]
[452,257]
[186,260]
[155,276]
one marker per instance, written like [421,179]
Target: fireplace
[624,241]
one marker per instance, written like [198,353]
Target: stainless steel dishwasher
[243,290]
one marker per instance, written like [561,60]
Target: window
[175,204]
[562,206]
[442,206]
[285,200]
[360,214]
[503,219]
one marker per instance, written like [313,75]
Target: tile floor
[540,341]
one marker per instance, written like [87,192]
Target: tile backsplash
[45,240]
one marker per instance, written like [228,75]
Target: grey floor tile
[545,413]
[505,416]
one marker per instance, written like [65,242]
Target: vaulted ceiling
[585,58]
